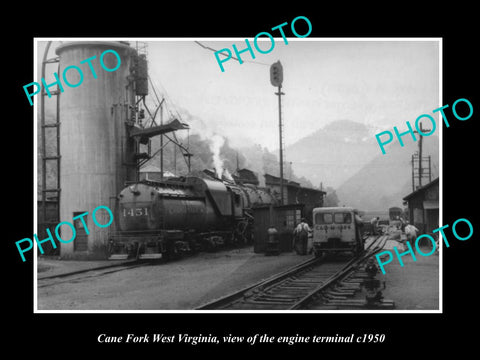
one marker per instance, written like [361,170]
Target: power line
[168,103]
[233,57]
[209,48]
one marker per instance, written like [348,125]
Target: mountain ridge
[344,154]
[333,153]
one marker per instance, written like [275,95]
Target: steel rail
[98,271]
[347,269]
[264,285]
[257,287]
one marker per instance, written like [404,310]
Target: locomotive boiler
[188,214]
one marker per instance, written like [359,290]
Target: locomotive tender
[185,214]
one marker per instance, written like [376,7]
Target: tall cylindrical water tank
[97,157]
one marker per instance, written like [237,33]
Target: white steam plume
[216,142]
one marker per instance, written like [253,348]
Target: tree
[331,198]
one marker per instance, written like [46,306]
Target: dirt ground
[415,286]
[190,282]
[178,285]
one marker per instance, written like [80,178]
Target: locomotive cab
[335,229]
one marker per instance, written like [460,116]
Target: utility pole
[161,140]
[276,79]
[280,133]
[420,161]
[420,158]
[413,172]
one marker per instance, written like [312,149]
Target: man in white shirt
[411,232]
[301,237]
[374,223]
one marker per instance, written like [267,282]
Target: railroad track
[316,283]
[80,275]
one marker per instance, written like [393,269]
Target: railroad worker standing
[358,227]
[300,235]
[411,232]
[358,220]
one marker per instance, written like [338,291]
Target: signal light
[276,74]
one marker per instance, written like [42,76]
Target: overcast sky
[378,83]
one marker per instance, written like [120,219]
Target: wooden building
[282,218]
[246,176]
[293,193]
[153,173]
[423,207]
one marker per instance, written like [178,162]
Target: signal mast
[276,79]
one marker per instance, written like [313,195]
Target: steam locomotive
[187,214]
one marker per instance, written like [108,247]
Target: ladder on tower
[420,171]
[50,190]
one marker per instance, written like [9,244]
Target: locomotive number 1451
[135,212]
